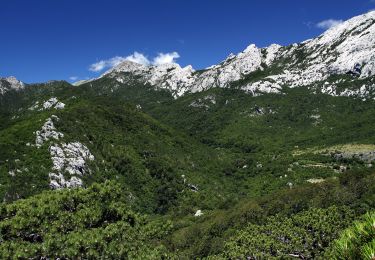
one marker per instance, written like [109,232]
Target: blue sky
[60,39]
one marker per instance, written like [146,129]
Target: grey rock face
[69,163]
[47,132]
[10,83]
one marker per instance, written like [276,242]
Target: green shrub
[79,223]
[356,242]
[304,235]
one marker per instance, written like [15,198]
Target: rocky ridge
[266,70]
[335,52]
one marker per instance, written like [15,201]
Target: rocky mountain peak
[127,66]
[10,83]
[337,51]
[347,44]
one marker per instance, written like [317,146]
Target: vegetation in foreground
[99,222]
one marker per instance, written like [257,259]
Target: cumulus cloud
[165,58]
[98,66]
[326,24]
[160,59]
[138,58]
[103,64]
[73,78]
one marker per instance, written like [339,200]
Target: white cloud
[138,58]
[165,58]
[160,59]
[103,64]
[326,24]
[115,61]
[98,66]
[73,78]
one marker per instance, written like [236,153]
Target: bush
[304,235]
[80,223]
[356,242]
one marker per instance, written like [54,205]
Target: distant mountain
[267,70]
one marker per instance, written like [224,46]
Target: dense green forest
[218,174]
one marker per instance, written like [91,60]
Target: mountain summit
[267,70]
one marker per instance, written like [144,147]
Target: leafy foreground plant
[99,222]
[356,242]
[80,223]
[304,235]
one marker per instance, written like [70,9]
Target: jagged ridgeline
[164,161]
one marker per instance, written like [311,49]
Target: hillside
[269,154]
